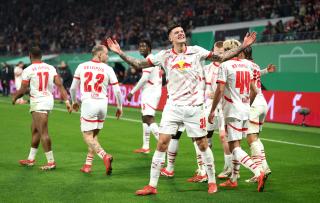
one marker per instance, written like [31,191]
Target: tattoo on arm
[226,55]
[138,63]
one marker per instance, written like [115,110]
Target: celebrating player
[93,77]
[40,77]
[151,83]
[236,85]
[258,113]
[184,71]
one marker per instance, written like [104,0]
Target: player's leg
[41,123]
[195,123]
[172,116]
[86,168]
[227,168]
[35,141]
[200,174]
[172,153]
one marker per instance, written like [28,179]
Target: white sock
[227,161]
[208,160]
[172,154]
[263,156]
[101,153]
[242,157]
[200,163]
[49,156]
[32,153]
[157,163]
[89,160]
[155,130]
[256,153]
[146,136]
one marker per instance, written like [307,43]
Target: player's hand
[75,107]
[249,39]
[68,106]
[211,117]
[271,68]
[129,96]
[118,113]
[113,45]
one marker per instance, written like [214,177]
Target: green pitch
[295,165]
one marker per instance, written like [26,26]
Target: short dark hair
[148,43]
[171,27]
[35,52]
[248,53]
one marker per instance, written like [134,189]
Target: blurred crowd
[305,25]
[77,25]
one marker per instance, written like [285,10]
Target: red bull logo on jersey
[181,65]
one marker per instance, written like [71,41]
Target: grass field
[294,167]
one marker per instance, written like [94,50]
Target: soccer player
[93,77]
[17,80]
[183,68]
[151,84]
[258,113]
[40,77]
[236,85]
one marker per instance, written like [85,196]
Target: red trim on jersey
[173,51]
[210,54]
[36,62]
[26,81]
[93,121]
[78,78]
[238,129]
[146,71]
[257,123]
[228,99]
[114,83]
[235,59]
[151,107]
[216,64]
[150,82]
[220,81]
[150,62]
[94,61]
[208,83]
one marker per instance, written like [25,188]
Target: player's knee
[202,143]
[251,138]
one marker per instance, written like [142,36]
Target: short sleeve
[77,73]
[157,59]
[203,53]
[113,80]
[26,75]
[222,74]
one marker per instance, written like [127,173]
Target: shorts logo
[181,65]
[203,123]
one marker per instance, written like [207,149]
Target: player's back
[94,79]
[41,79]
[237,77]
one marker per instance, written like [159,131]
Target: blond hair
[231,44]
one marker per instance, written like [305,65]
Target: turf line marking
[139,121]
[291,143]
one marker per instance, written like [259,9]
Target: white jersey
[94,79]
[184,74]
[259,100]
[150,81]
[40,76]
[210,75]
[18,77]
[236,76]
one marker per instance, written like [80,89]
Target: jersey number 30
[243,81]
[97,86]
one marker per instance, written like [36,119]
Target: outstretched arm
[137,63]
[270,69]
[248,40]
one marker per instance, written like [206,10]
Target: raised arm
[248,40]
[137,63]
[269,69]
